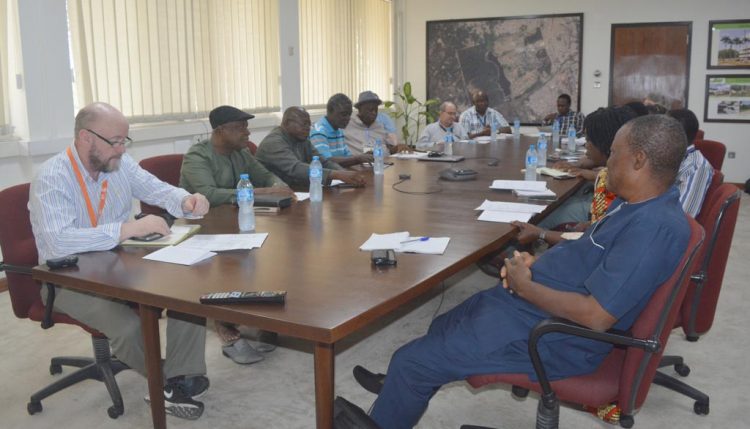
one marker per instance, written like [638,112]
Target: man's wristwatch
[542,235]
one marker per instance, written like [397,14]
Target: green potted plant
[412,112]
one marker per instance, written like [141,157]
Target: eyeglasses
[124,142]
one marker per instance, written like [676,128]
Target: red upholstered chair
[626,374]
[20,254]
[167,169]
[252,147]
[700,135]
[713,151]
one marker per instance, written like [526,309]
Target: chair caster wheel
[34,407]
[519,392]
[55,369]
[701,408]
[682,369]
[626,421]
[114,412]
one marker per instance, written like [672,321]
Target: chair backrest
[656,322]
[167,169]
[713,151]
[718,217]
[19,248]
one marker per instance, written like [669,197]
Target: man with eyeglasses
[80,201]
[213,166]
[446,127]
[602,280]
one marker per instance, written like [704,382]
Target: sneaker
[371,382]
[179,404]
[242,352]
[196,386]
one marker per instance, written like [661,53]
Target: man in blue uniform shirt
[602,280]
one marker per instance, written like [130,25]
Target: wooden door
[650,59]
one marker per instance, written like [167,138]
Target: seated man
[565,116]
[479,118]
[96,172]
[287,152]
[213,166]
[363,129]
[327,135]
[445,127]
[696,172]
[600,281]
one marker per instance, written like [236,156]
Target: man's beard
[104,166]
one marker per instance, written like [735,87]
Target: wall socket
[731,155]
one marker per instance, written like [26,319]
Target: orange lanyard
[94,217]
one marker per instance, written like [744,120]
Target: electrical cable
[434,191]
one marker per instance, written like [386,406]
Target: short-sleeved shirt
[571,118]
[436,133]
[693,180]
[473,123]
[327,141]
[387,122]
[360,138]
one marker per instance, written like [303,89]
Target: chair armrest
[47,321]
[564,326]
[18,269]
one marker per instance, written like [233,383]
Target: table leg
[150,326]
[324,359]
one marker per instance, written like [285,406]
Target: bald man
[478,119]
[287,152]
[80,201]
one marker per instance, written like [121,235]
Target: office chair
[713,151]
[167,169]
[20,255]
[700,135]
[626,374]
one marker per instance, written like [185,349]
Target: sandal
[242,352]
[228,332]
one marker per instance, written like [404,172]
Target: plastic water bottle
[531,164]
[493,133]
[448,144]
[378,165]
[555,135]
[541,151]
[316,180]
[572,139]
[516,130]
[245,200]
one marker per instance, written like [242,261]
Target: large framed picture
[522,63]
[727,98]
[729,44]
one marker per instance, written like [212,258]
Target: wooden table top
[312,251]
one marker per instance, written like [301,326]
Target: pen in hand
[415,239]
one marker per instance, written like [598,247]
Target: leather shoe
[371,381]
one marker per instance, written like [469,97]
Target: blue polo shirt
[327,141]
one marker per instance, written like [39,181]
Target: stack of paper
[178,233]
[403,242]
[497,211]
[202,247]
[179,255]
[525,188]
[409,155]
[553,172]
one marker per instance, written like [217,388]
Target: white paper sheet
[302,196]
[492,216]
[432,246]
[545,194]
[384,241]
[502,206]
[179,255]
[401,242]
[524,185]
[224,242]
[409,155]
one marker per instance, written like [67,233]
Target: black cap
[225,114]
[368,97]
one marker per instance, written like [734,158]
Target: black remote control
[64,262]
[240,297]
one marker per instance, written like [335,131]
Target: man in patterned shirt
[327,135]
[478,119]
[565,116]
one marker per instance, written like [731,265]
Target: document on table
[403,242]
[502,206]
[224,242]
[409,155]
[522,185]
[179,255]
[302,196]
[508,217]
[178,234]
[545,194]
[553,172]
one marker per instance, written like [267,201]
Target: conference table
[312,252]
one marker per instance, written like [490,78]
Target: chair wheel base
[519,392]
[701,408]
[34,407]
[626,421]
[682,369]
[115,412]
[55,369]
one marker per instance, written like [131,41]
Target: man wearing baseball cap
[364,128]
[213,166]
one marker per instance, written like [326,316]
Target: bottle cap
[316,158]
[244,176]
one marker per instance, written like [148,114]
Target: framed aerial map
[522,63]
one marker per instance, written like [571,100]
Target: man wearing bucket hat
[364,128]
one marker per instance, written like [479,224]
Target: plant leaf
[407,90]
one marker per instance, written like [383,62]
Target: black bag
[349,416]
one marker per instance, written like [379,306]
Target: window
[345,46]
[5,128]
[175,59]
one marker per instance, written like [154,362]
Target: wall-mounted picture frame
[727,98]
[729,44]
[523,63]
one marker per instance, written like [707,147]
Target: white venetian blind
[175,59]
[345,46]
[4,70]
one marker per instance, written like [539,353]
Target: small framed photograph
[727,98]
[729,44]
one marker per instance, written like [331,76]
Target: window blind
[5,128]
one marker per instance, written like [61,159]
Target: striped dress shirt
[693,180]
[473,123]
[59,215]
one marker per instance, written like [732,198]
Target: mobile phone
[148,237]
[383,257]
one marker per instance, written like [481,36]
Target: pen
[416,239]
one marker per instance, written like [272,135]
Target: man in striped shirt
[565,116]
[80,201]
[327,135]
[695,172]
[479,118]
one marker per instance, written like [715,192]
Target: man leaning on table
[287,152]
[364,128]
[327,135]
[445,126]
[80,201]
[479,118]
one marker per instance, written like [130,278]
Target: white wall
[598,17]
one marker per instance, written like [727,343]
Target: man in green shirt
[287,152]
[213,166]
